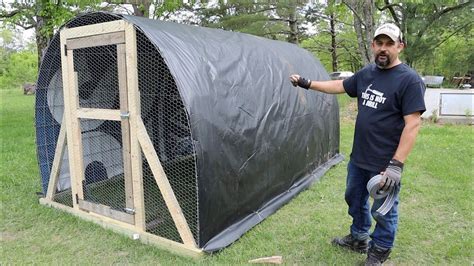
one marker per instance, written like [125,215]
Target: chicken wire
[167,124]
[162,111]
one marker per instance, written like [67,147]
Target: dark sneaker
[351,243]
[376,256]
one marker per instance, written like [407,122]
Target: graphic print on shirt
[372,98]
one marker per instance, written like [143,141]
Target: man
[390,103]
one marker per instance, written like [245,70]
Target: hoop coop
[182,136]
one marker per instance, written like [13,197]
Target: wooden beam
[69,104]
[268,260]
[134,110]
[107,211]
[100,114]
[128,230]
[76,155]
[125,125]
[94,29]
[164,185]
[58,157]
[96,40]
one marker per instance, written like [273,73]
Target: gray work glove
[302,82]
[392,175]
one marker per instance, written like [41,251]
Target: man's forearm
[331,86]
[408,137]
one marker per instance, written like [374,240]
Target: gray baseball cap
[391,30]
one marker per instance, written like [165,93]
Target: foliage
[453,58]
[17,60]
[277,20]
[429,24]
[20,67]
[345,48]
[44,16]
[439,34]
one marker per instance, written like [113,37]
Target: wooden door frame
[122,34]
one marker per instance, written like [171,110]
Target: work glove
[302,82]
[392,175]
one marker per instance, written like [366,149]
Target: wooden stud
[127,167]
[107,211]
[95,29]
[268,260]
[76,157]
[134,110]
[58,156]
[128,230]
[96,40]
[164,185]
[67,114]
[100,114]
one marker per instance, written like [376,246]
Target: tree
[335,43]
[17,59]
[279,20]
[426,26]
[44,16]
[363,15]
[41,15]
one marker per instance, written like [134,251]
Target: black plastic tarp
[255,134]
[258,140]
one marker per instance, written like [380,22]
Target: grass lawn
[436,216]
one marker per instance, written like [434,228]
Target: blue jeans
[357,197]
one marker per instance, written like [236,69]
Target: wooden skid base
[128,230]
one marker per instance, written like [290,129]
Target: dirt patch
[8,236]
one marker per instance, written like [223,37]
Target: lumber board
[67,113]
[164,186]
[99,114]
[94,29]
[58,156]
[128,230]
[125,125]
[106,211]
[96,40]
[134,110]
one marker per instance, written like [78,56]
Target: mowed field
[436,210]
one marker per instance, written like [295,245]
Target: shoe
[349,242]
[376,256]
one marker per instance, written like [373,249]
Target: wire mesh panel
[97,81]
[167,124]
[48,124]
[103,166]
[157,216]
[97,77]
[64,192]
[50,108]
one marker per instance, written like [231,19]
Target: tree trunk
[363,25]
[361,41]
[293,24]
[42,37]
[333,42]
[368,11]
[142,9]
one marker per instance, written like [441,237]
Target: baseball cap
[391,30]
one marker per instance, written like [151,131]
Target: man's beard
[382,64]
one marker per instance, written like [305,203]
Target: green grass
[436,216]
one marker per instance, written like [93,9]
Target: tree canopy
[438,34]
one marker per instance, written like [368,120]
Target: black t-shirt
[384,96]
